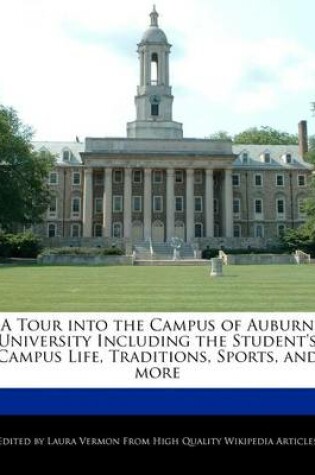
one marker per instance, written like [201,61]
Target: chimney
[303,139]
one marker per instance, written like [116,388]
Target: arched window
[259,231]
[117,230]
[52,230]
[301,207]
[280,230]
[154,68]
[198,230]
[75,230]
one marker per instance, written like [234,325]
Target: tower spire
[154,17]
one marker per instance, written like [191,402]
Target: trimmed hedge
[85,251]
[210,253]
[20,245]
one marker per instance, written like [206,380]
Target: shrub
[85,251]
[209,253]
[20,245]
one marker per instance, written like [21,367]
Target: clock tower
[154,98]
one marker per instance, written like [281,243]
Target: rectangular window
[258,180]
[98,205]
[237,231]
[118,176]
[280,180]
[198,204]
[215,206]
[236,206]
[301,208]
[179,176]
[236,180]
[52,209]
[53,178]
[158,204]
[52,230]
[98,230]
[259,231]
[301,180]
[245,158]
[117,204]
[267,157]
[157,177]
[75,207]
[137,204]
[155,109]
[179,204]
[136,176]
[76,178]
[198,177]
[280,206]
[258,206]
[66,155]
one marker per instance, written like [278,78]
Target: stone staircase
[146,253]
[142,251]
[162,251]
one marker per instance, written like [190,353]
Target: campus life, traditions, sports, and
[154,184]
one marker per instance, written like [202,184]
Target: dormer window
[43,152]
[66,155]
[287,158]
[245,158]
[267,157]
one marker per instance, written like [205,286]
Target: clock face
[155,99]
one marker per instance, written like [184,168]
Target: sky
[70,67]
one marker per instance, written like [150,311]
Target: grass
[243,288]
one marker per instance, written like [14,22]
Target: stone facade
[155,184]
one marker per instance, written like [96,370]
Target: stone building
[154,184]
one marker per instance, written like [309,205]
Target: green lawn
[243,288]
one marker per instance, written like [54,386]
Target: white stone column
[228,203]
[127,203]
[170,209]
[107,203]
[147,204]
[141,57]
[147,68]
[190,206]
[209,204]
[161,69]
[87,202]
[167,72]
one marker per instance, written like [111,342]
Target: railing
[301,257]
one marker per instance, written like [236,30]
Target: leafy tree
[24,194]
[265,136]
[220,135]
